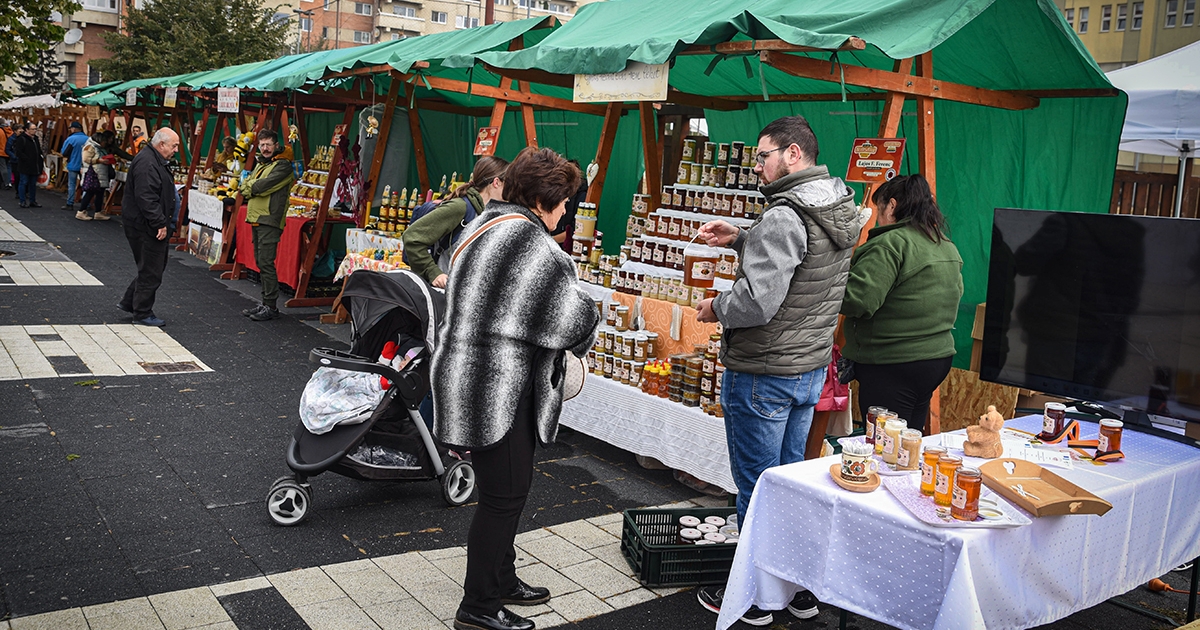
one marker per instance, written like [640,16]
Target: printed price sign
[875,160]
[485,142]
[170,96]
[227,100]
[338,132]
[131,97]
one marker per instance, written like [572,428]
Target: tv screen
[1096,307]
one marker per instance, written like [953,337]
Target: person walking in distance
[5,176]
[30,161]
[146,211]
[72,149]
[780,315]
[266,193]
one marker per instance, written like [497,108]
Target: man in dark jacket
[780,315]
[30,161]
[266,192]
[146,211]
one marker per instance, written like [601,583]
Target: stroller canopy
[372,295]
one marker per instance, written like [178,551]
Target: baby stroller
[383,307]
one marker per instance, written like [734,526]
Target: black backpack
[447,242]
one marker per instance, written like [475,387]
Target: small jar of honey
[891,439]
[880,422]
[943,478]
[964,500]
[909,455]
[1110,436]
[1054,419]
[929,467]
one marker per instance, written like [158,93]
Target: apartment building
[1120,34]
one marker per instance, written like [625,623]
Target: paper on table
[1044,456]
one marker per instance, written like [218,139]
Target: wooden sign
[338,132]
[875,160]
[485,142]
[131,97]
[637,82]
[93,111]
[169,96]
[227,100]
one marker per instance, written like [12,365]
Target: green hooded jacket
[266,192]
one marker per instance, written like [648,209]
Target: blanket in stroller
[334,397]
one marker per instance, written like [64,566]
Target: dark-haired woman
[430,240]
[513,307]
[901,302]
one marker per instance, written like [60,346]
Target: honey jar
[651,346]
[677,199]
[909,456]
[689,536]
[1054,419]
[929,467]
[872,413]
[964,501]
[891,439]
[685,173]
[1110,435]
[943,478]
[880,422]
[609,360]
[622,323]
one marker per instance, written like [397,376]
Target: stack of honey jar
[621,353]
[727,165]
[943,477]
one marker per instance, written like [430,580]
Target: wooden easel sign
[875,160]
[485,141]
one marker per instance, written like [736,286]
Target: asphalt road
[140,485]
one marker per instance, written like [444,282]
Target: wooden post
[650,149]
[608,136]
[385,130]
[527,117]
[414,128]
[215,143]
[893,108]
[197,142]
[302,132]
[310,245]
[925,139]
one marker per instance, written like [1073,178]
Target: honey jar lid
[1112,424]
[967,471]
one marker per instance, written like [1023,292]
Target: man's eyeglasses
[761,156]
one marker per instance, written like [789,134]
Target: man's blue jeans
[766,423]
[72,180]
[27,188]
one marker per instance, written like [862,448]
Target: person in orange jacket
[5,176]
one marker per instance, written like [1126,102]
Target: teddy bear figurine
[983,439]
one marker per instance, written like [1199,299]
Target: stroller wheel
[458,483]
[288,502]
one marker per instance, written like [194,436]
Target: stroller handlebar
[342,360]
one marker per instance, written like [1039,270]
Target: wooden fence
[1153,194]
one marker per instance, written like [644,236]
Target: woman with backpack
[430,239]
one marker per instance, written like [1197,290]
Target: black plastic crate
[649,542]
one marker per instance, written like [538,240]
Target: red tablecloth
[287,256]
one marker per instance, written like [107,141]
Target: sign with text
[227,100]
[93,112]
[169,96]
[338,132]
[875,160]
[131,97]
[637,82]
[485,142]
[206,215]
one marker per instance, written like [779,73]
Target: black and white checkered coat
[512,307]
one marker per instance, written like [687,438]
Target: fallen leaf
[87,383]
[72,457]
[189,389]
[431,530]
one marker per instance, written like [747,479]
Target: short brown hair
[540,177]
[791,130]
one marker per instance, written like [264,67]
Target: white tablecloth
[683,438]
[358,240]
[853,550]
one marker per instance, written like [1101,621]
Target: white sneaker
[82,216]
[100,216]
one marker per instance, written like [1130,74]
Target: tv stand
[1139,421]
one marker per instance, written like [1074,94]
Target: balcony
[385,21]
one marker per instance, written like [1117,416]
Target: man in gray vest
[779,318]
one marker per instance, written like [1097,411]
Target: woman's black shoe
[502,620]
[526,595]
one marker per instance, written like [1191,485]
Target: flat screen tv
[1096,307]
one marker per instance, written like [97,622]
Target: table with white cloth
[360,240]
[854,551]
[683,438]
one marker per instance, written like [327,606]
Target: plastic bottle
[664,381]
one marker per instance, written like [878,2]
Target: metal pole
[1191,611]
[1184,155]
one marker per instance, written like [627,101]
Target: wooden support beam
[608,136]
[673,96]
[650,149]
[926,146]
[527,117]
[302,130]
[369,70]
[747,46]
[414,130]
[381,140]
[707,102]
[920,86]
[197,142]
[214,145]
[452,85]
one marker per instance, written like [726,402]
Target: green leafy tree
[171,37]
[42,77]
[25,29]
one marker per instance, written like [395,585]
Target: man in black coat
[30,161]
[146,211]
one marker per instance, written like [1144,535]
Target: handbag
[835,395]
[91,181]
[574,368]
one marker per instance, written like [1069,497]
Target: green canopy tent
[1025,116]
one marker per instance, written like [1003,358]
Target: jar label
[926,475]
[703,270]
[959,498]
[889,444]
[673,228]
[666,197]
[879,434]
[902,458]
[1047,425]
[639,351]
[708,365]
[943,484]
[1103,448]
[662,225]
[706,203]
[684,173]
[647,251]
[658,255]
[624,257]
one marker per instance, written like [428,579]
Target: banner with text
[637,82]
[875,160]
[227,100]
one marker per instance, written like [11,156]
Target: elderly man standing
[146,211]
[266,192]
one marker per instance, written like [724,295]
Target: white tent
[1164,107]
[43,101]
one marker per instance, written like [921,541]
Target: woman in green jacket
[901,302]
[429,241]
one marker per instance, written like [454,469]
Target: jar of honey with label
[929,462]
[943,478]
[964,499]
[1110,436]
[700,265]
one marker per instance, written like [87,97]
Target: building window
[362,37]
[1122,16]
[465,22]
[1189,12]
[403,11]
[100,5]
[325,32]
[1137,17]
[1083,19]
[395,36]
[559,8]
[437,17]
[501,3]
[306,25]
[1069,14]
[94,76]
[1172,10]
[1106,18]
[362,8]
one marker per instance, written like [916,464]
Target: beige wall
[1118,48]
